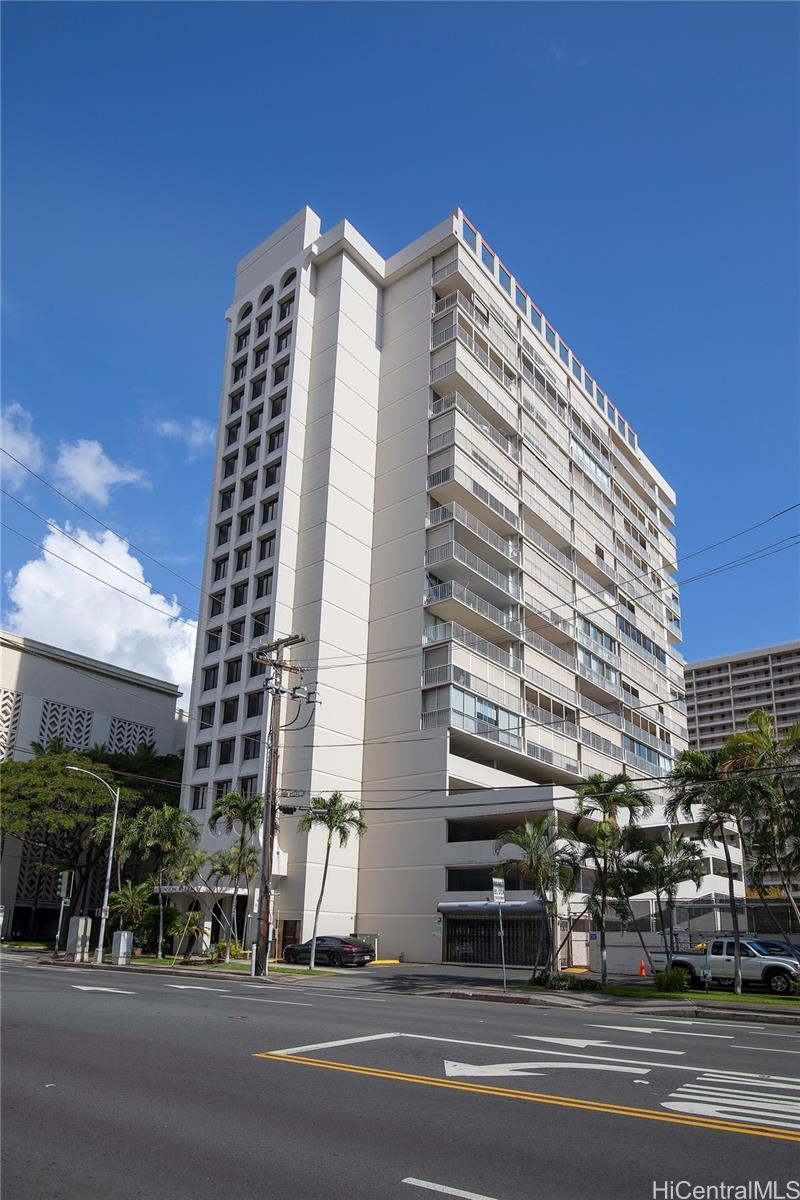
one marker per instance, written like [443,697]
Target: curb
[687,1007]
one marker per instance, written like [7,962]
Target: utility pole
[272,655]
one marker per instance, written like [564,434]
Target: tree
[245,812]
[547,865]
[604,846]
[170,833]
[231,864]
[670,860]
[704,794]
[339,818]
[129,904]
[186,925]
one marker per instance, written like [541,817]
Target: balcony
[454,400]
[449,479]
[450,673]
[547,581]
[455,552]
[557,653]
[553,758]
[456,512]
[546,684]
[451,631]
[452,594]
[547,547]
[459,300]
[603,745]
[544,719]
[602,682]
[455,436]
[538,503]
[451,718]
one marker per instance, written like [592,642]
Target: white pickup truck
[774,967]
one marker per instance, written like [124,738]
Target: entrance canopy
[510,907]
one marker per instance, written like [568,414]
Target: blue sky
[636,166]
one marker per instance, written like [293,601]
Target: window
[223,533]
[550,336]
[210,677]
[205,716]
[202,756]
[254,420]
[233,670]
[263,585]
[288,278]
[251,453]
[536,319]
[261,623]
[257,668]
[239,595]
[266,295]
[263,325]
[233,433]
[257,388]
[470,236]
[286,309]
[230,709]
[248,785]
[272,474]
[522,300]
[198,797]
[277,406]
[243,558]
[216,603]
[212,641]
[487,256]
[269,510]
[588,383]
[600,400]
[220,568]
[283,341]
[266,547]
[246,522]
[236,402]
[245,312]
[242,340]
[251,747]
[225,500]
[239,370]
[248,487]
[577,370]
[221,788]
[226,751]
[229,466]
[255,704]
[275,441]
[505,279]
[236,632]
[563,353]
[280,373]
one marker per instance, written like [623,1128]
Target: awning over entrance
[509,907]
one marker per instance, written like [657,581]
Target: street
[131,1085]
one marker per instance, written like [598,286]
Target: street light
[104,910]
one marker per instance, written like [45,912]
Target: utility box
[79,939]
[121,948]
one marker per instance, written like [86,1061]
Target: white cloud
[17,436]
[52,602]
[85,468]
[197,434]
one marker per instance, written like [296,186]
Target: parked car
[777,971]
[336,951]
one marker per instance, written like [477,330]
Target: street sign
[104,911]
[705,974]
[499,889]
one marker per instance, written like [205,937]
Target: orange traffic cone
[642,968]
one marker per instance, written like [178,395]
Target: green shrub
[675,980]
[564,981]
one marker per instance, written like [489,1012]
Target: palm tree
[604,846]
[170,833]
[703,793]
[669,861]
[339,818]
[547,865]
[245,812]
[773,812]
[189,925]
[231,864]
[128,904]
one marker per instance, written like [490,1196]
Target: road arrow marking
[118,991]
[523,1068]
[675,1032]
[582,1043]
[193,987]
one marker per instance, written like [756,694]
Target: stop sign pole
[499,889]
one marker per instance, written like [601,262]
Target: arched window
[265,296]
[244,313]
[288,278]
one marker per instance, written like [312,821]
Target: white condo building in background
[415,471]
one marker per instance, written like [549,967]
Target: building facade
[416,472]
[47,693]
[722,692]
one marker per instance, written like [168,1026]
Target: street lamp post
[104,910]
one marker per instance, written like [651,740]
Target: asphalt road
[119,1086]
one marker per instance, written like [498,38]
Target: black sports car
[336,951]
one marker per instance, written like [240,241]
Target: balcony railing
[450,673]
[547,581]
[544,646]
[451,590]
[589,738]
[546,546]
[454,550]
[599,680]
[442,717]
[456,512]
[443,404]
[546,684]
[458,299]
[539,503]
[553,758]
[451,631]
[449,268]
[545,719]
[455,474]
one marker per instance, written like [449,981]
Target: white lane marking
[582,1043]
[742,1099]
[727,1112]
[523,1068]
[443,1190]
[259,1000]
[789,1037]
[372,1037]
[715,1094]
[287,987]
[117,991]
[686,1021]
[764,1049]
[192,987]
[674,1032]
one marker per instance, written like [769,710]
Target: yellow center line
[599,1106]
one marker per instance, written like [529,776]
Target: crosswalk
[765,1101]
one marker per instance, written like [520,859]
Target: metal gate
[474,938]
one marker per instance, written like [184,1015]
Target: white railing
[450,673]
[451,631]
[443,404]
[543,544]
[454,550]
[553,758]
[545,683]
[448,269]
[540,504]
[548,720]
[451,590]
[456,512]
[601,681]
[547,581]
[557,653]
[455,474]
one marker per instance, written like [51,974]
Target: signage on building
[499,890]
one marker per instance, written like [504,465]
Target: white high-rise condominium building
[722,692]
[416,472]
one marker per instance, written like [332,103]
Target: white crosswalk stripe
[755,1101]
